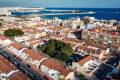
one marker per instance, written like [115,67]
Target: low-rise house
[22,39]
[55,70]
[48,66]
[55,30]
[35,33]
[34,43]
[39,34]
[5,41]
[71,35]
[57,37]
[93,50]
[70,76]
[89,66]
[9,72]
[33,57]
[15,48]
[74,42]
[85,65]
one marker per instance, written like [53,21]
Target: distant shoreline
[61,7]
[66,13]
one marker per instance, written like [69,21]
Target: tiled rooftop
[19,76]
[33,54]
[49,63]
[6,67]
[86,59]
[57,66]
[72,41]
[58,28]
[3,38]
[17,46]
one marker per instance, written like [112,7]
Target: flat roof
[102,71]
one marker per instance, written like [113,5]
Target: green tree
[60,24]
[78,27]
[67,49]
[13,32]
[57,49]
[42,48]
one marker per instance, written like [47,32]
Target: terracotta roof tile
[19,76]
[36,42]
[33,54]
[3,38]
[72,41]
[57,28]
[6,67]
[57,66]
[86,59]
[17,46]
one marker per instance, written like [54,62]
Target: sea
[100,13]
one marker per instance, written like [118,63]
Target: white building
[5,41]
[77,24]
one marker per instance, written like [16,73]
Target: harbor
[59,40]
[49,12]
[57,14]
[66,13]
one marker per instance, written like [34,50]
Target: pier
[62,10]
[56,14]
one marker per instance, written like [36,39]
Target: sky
[62,3]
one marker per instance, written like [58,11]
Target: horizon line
[59,7]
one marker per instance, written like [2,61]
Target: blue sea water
[101,13]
